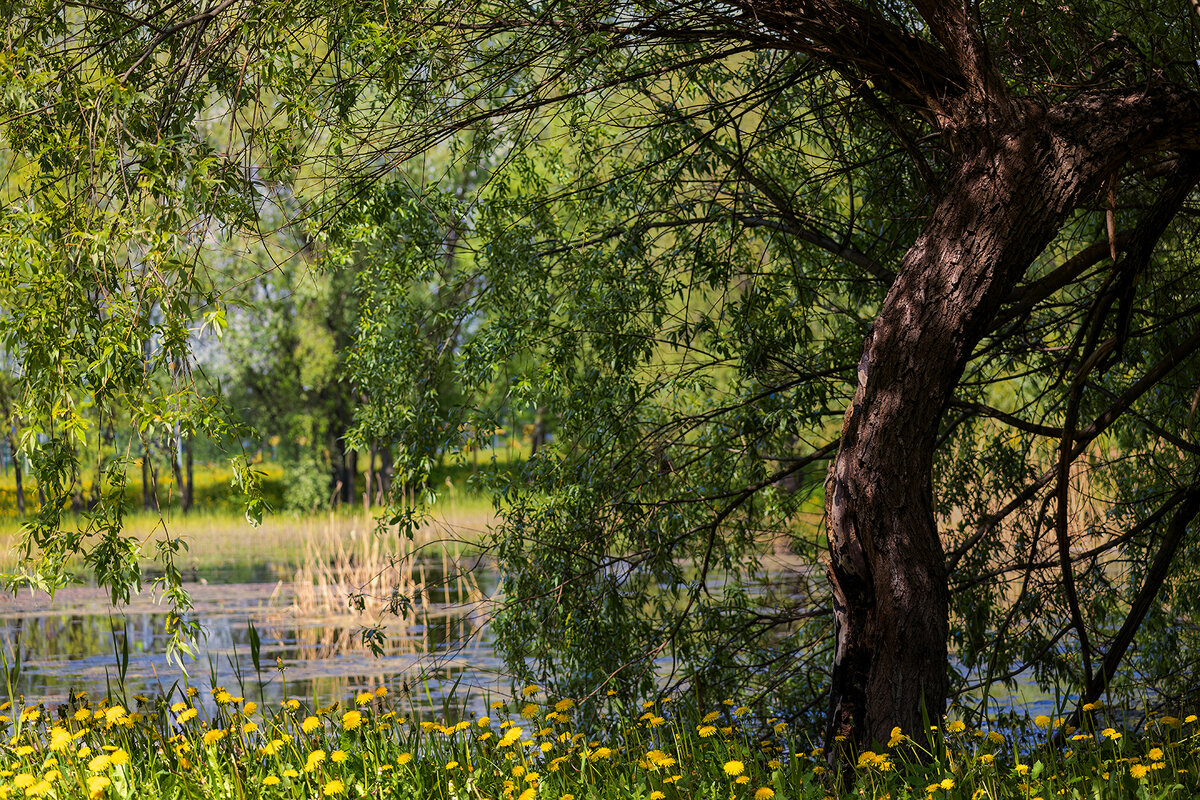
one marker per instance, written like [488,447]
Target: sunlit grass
[184,745]
[226,539]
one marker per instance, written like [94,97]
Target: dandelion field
[184,745]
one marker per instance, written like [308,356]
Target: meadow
[188,744]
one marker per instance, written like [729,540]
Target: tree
[962,228]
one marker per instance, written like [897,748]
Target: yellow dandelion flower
[711,717]
[214,736]
[290,773]
[100,763]
[270,780]
[742,780]
[453,765]
[528,794]
[657,795]
[483,722]
[1170,721]
[995,737]
[1139,771]
[60,739]
[529,711]
[24,781]
[96,785]
[310,724]
[404,758]
[897,737]
[956,727]
[351,720]
[1042,721]
[947,783]
[1110,733]
[292,704]
[338,756]
[530,689]
[119,757]
[381,691]
[363,698]
[764,793]
[315,759]
[334,787]
[734,768]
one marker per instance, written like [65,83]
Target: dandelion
[338,756]
[100,763]
[764,793]
[896,738]
[404,758]
[483,722]
[314,760]
[334,787]
[453,765]
[657,795]
[956,727]
[175,707]
[529,711]
[1155,754]
[270,780]
[363,698]
[528,794]
[60,739]
[1021,769]
[381,691]
[310,724]
[1138,771]
[119,757]
[1110,733]
[1041,720]
[290,773]
[995,737]
[711,717]
[947,783]
[530,689]
[96,785]
[214,736]
[734,768]
[351,720]
[742,780]
[741,711]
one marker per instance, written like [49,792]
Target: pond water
[76,641]
[442,656]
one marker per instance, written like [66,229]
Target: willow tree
[710,229]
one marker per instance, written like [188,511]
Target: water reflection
[75,642]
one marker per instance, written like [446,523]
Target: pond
[310,646]
[76,641]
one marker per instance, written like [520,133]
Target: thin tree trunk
[189,474]
[17,472]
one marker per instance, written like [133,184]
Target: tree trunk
[998,211]
[189,474]
[17,473]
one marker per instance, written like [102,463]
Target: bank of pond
[220,743]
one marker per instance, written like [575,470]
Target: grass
[182,745]
[225,539]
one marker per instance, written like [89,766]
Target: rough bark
[1001,206]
